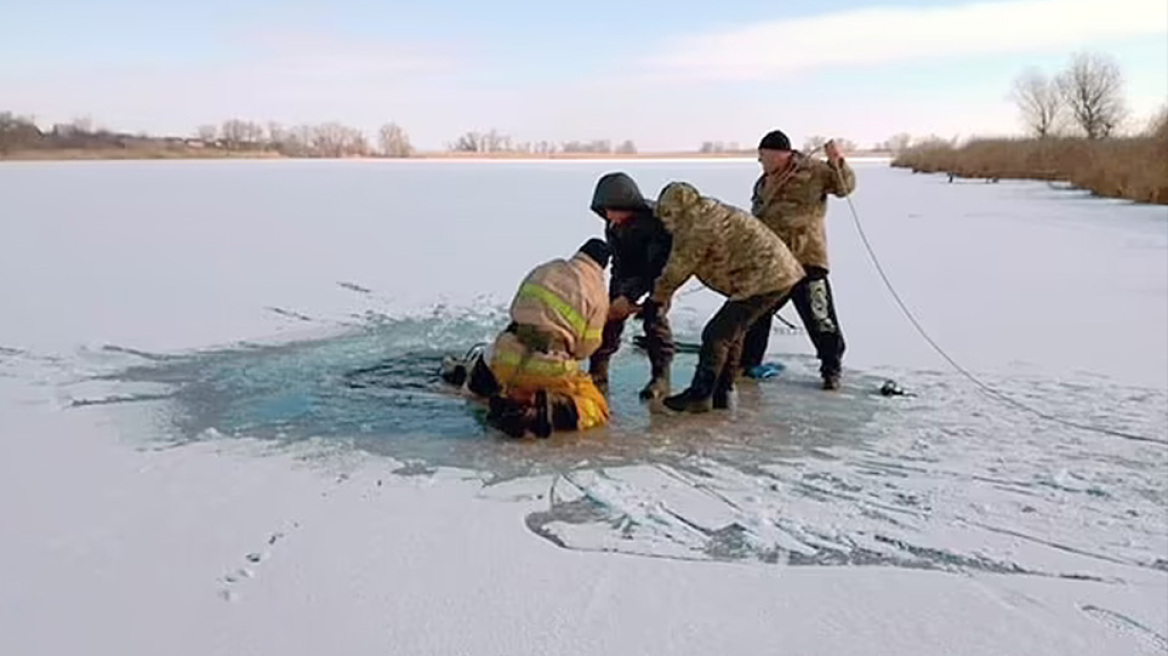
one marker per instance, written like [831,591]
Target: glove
[651,310]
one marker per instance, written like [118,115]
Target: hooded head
[598,250]
[675,202]
[618,191]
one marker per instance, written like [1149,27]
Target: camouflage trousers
[724,337]
[813,300]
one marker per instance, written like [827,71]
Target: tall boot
[659,346]
[698,397]
[724,389]
[658,387]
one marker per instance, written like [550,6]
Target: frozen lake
[154,313]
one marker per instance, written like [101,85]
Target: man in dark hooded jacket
[640,248]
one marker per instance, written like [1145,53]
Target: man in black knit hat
[790,197]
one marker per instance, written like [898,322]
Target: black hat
[775,140]
[598,250]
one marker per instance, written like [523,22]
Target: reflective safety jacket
[558,316]
[566,302]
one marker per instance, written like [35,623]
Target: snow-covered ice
[219,433]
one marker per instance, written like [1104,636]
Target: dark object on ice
[642,343]
[892,388]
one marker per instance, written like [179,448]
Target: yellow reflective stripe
[566,312]
[593,334]
[537,366]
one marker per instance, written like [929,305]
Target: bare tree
[394,141]
[1039,100]
[208,133]
[627,148]
[297,141]
[82,125]
[1092,88]
[898,143]
[471,142]
[480,142]
[236,134]
[337,140]
[594,146]
[276,135]
[847,145]
[1158,125]
[813,143]
[17,132]
[497,142]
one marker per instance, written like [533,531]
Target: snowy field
[220,431]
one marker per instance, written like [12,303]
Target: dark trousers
[724,336]
[659,345]
[816,306]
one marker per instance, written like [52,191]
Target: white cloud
[887,34]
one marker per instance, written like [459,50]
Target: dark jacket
[640,246]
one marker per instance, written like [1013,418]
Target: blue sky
[668,75]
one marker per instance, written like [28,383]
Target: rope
[984,387]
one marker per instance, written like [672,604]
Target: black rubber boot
[698,397]
[724,390]
[658,387]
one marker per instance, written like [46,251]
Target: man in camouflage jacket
[790,197]
[733,254]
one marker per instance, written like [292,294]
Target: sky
[667,75]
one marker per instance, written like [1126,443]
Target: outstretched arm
[839,178]
[682,262]
[593,331]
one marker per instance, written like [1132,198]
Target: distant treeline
[22,137]
[1074,121]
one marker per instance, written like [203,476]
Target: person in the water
[532,375]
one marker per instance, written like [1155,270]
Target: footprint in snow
[248,571]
